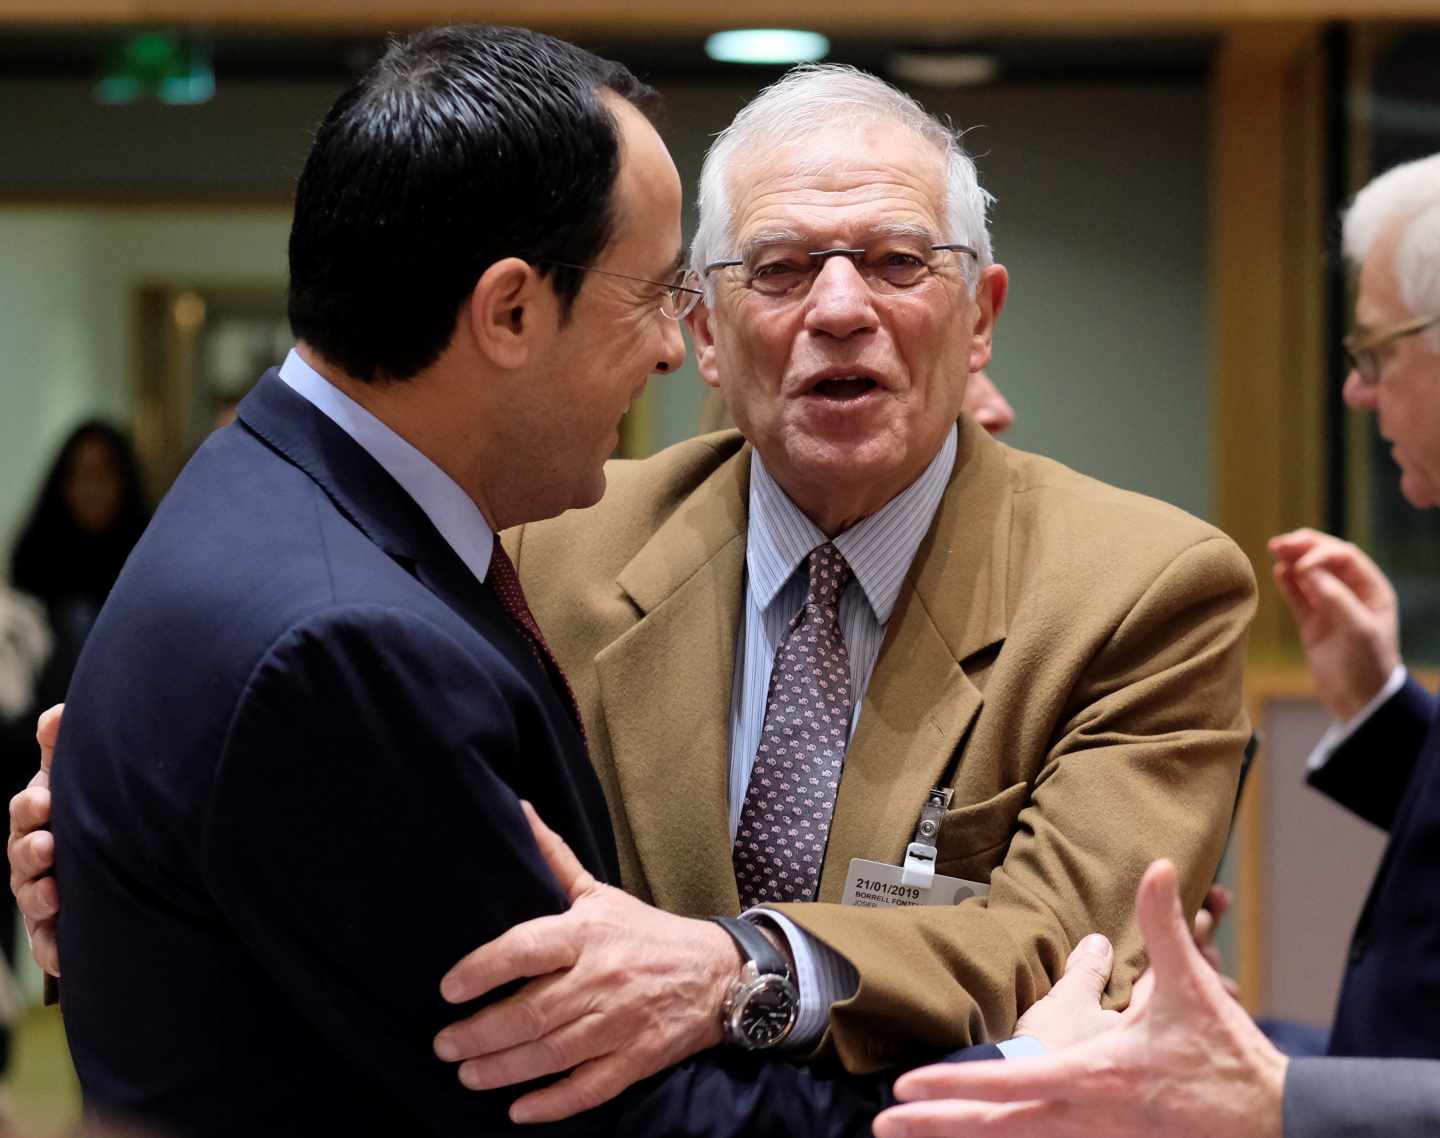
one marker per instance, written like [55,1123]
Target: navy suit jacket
[1389,774]
[287,802]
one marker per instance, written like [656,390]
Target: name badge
[879,885]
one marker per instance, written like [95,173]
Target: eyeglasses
[677,301]
[1363,352]
[788,269]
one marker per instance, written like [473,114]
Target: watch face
[769,1012]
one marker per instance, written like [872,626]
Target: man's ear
[702,332]
[510,307]
[989,300]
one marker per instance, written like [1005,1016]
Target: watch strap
[755,946]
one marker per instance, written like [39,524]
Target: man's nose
[1358,395]
[672,347]
[840,303]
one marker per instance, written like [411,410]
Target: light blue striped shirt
[879,550]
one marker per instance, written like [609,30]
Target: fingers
[1218,900]
[1324,592]
[29,815]
[535,948]
[47,733]
[1087,970]
[1305,550]
[1350,564]
[31,860]
[38,900]
[562,862]
[585,1088]
[548,1054]
[1290,593]
[1296,543]
[998,1080]
[537,1009]
[44,949]
[951,1118]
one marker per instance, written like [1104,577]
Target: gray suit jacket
[1362,1098]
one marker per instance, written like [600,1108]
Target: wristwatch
[760,1010]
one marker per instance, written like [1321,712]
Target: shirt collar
[878,548]
[451,511]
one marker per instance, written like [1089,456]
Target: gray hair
[805,99]
[1405,198]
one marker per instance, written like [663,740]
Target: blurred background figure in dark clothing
[90,513]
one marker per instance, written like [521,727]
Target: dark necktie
[785,821]
[505,582]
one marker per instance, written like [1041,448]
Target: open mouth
[843,388]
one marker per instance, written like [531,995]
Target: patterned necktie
[785,822]
[505,583]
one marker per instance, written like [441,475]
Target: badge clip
[918,869]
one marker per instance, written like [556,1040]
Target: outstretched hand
[1185,1062]
[619,991]
[1347,615]
[31,850]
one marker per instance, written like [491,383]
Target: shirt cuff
[823,975]
[1021,1047]
[1338,733]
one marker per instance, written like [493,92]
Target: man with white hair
[1061,657]
[858,644]
[1190,1061]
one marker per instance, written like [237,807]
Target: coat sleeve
[1141,763]
[1369,772]
[364,833]
[1362,1098]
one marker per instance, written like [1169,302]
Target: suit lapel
[920,702]
[665,688]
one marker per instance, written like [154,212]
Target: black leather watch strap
[755,945]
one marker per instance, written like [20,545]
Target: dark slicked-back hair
[460,147]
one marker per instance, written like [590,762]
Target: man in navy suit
[319,656]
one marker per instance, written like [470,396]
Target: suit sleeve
[1369,772]
[1141,763]
[364,833]
[1362,1098]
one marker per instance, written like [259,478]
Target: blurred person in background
[90,513]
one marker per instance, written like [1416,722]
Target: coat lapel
[920,701]
[665,688]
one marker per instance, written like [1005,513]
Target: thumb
[1173,955]
[573,877]
[47,734]
[1087,970]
